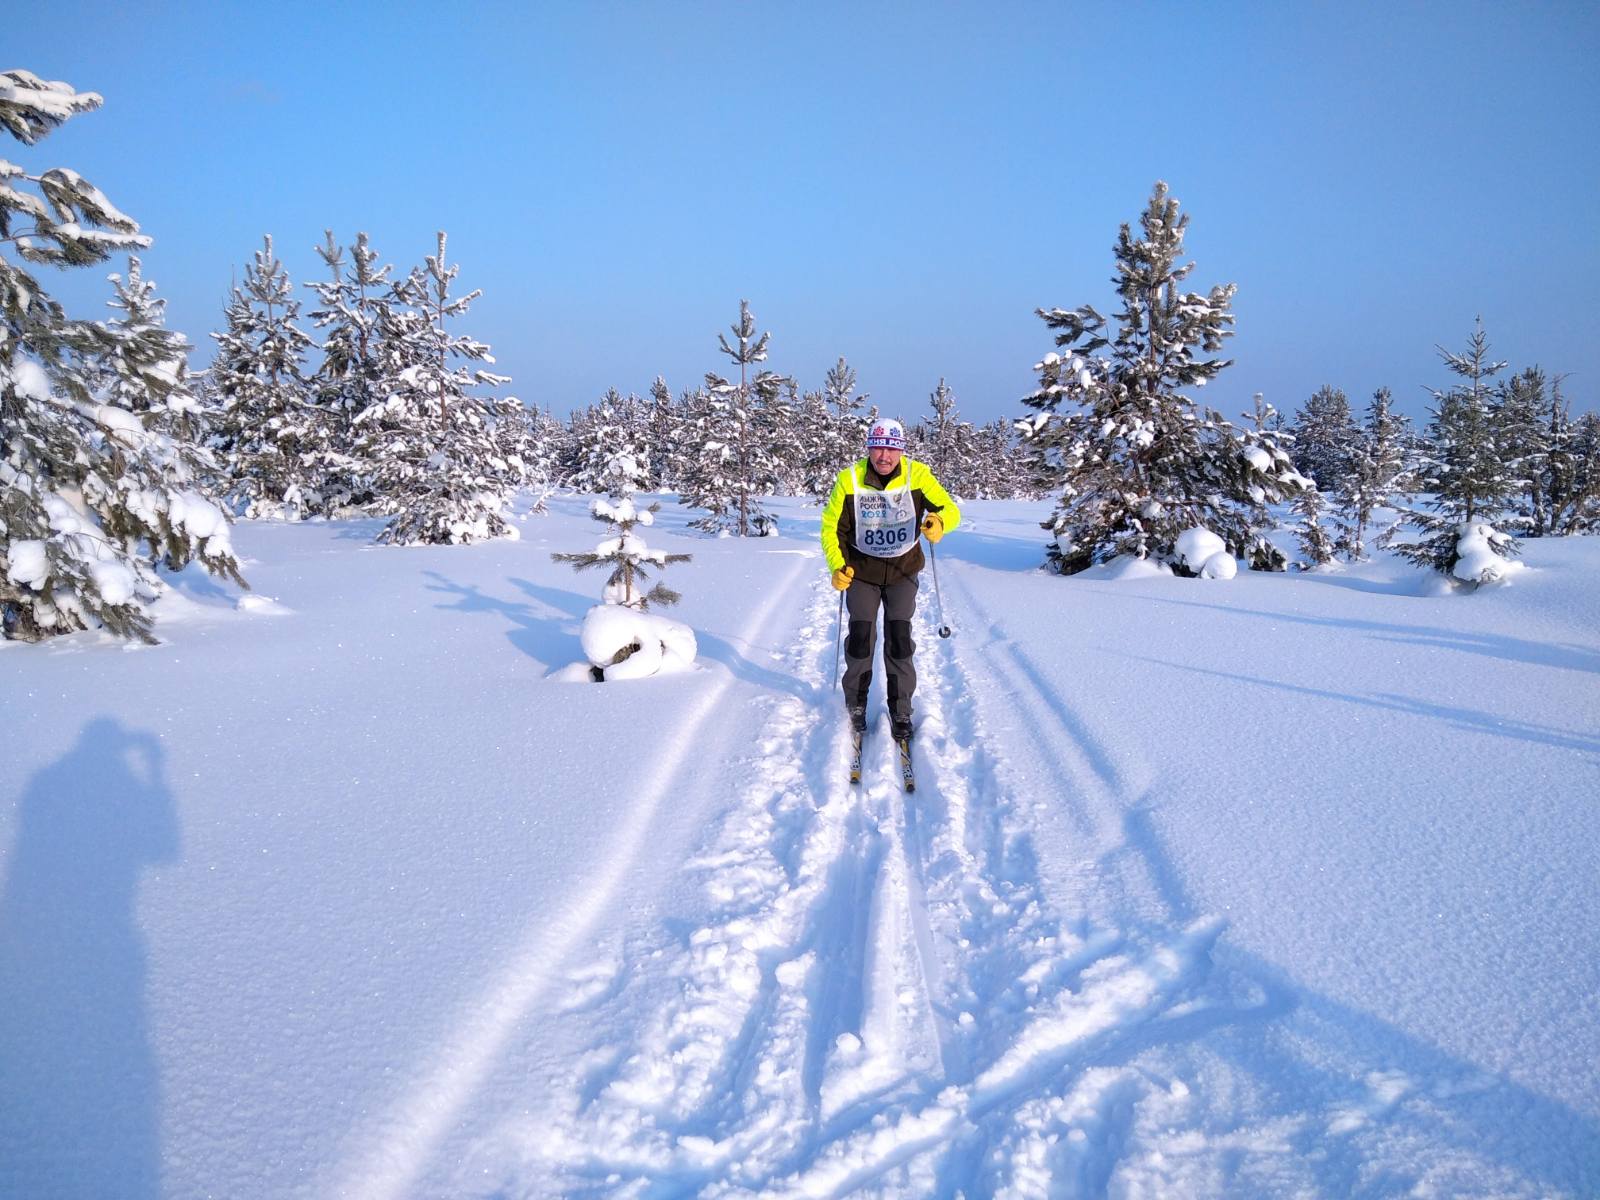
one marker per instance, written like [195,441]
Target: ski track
[397,1149]
[893,996]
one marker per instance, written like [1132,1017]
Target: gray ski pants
[899,601]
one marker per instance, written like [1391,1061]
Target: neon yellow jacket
[839,519]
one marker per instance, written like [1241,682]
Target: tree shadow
[1333,1059]
[80,1097]
[536,629]
[1472,720]
[1563,655]
[999,553]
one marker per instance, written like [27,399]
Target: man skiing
[869,537]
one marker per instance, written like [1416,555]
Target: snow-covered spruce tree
[1316,544]
[600,434]
[267,432]
[1540,448]
[1579,511]
[1135,460]
[1268,444]
[622,550]
[849,419]
[991,469]
[661,426]
[621,639]
[940,440]
[522,436]
[436,467]
[814,446]
[1469,485]
[353,309]
[95,481]
[1323,433]
[734,466]
[1376,475]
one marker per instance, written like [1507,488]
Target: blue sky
[901,184]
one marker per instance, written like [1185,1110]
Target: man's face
[884,459]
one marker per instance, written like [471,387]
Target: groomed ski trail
[393,1151]
[877,994]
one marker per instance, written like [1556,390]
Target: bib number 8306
[897,536]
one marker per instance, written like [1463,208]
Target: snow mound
[624,643]
[261,606]
[1202,552]
[1129,566]
[1477,560]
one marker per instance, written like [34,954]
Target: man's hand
[842,578]
[932,527]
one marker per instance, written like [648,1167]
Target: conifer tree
[734,426]
[96,482]
[436,466]
[266,433]
[623,550]
[662,437]
[1469,485]
[1578,506]
[1570,479]
[1516,413]
[815,460]
[1268,444]
[850,418]
[600,434]
[353,310]
[940,443]
[1377,468]
[1136,461]
[1323,434]
[1315,542]
[1538,443]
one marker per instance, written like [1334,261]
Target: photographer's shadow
[79,1090]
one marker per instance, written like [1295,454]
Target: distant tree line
[116,461]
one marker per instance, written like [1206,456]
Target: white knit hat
[887,433]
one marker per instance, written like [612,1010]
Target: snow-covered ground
[1284,885]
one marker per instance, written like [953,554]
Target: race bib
[886,522]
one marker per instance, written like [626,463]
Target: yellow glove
[842,578]
[932,527]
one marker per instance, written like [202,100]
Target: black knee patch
[899,635]
[858,644]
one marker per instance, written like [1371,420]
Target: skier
[869,538]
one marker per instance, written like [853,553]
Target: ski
[906,775]
[855,755]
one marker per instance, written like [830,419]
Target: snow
[1283,888]
[1203,552]
[1476,559]
[29,379]
[27,566]
[1259,458]
[114,580]
[652,643]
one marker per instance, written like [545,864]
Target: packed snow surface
[1279,886]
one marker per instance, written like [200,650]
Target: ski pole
[933,561]
[838,631]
